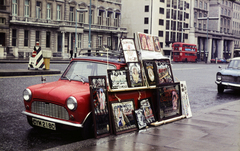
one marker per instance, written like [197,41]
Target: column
[209,49]
[63,43]
[69,42]
[220,48]
[231,47]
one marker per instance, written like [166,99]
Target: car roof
[236,58]
[101,58]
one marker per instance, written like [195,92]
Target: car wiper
[67,78]
[80,78]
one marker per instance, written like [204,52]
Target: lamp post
[207,18]
[90,22]
[182,33]
[75,49]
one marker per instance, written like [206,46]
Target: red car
[65,104]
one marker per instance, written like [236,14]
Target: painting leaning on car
[64,104]
[229,78]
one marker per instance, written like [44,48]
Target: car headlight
[27,95]
[72,103]
[219,77]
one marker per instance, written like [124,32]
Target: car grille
[231,79]
[49,109]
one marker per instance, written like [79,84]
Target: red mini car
[65,104]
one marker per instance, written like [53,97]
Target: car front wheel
[220,89]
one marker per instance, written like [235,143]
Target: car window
[234,64]
[80,70]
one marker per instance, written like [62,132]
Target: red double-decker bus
[184,52]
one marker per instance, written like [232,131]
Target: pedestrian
[71,53]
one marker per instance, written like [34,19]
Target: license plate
[44,124]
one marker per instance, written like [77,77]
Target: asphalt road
[16,134]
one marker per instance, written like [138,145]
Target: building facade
[56,23]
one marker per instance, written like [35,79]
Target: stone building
[53,23]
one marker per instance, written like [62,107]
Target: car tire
[220,89]
[88,128]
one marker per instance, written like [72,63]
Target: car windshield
[80,70]
[234,64]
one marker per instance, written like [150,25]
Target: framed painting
[150,43]
[140,118]
[149,71]
[135,74]
[185,100]
[163,72]
[143,41]
[130,55]
[118,79]
[169,101]
[145,105]
[157,45]
[128,44]
[122,116]
[99,103]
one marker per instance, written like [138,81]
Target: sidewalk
[213,129]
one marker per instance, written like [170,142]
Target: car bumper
[53,120]
[228,85]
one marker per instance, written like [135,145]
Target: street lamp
[90,22]
[182,33]
[207,18]
[77,10]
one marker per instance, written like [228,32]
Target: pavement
[213,129]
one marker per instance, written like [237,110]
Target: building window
[71,14]
[200,4]
[145,31]
[146,8]
[58,12]
[167,24]
[186,36]
[48,11]
[196,3]
[48,39]
[160,33]
[14,7]
[162,1]
[37,36]
[100,41]
[200,26]
[195,15]
[167,36]
[161,10]
[168,13]
[109,18]
[116,19]
[109,42]
[204,26]
[168,3]
[146,20]
[27,8]
[161,22]
[81,17]
[100,17]
[79,44]
[25,37]
[2,20]
[38,10]
[205,6]
[14,37]
[228,12]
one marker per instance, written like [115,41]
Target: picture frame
[99,105]
[145,105]
[123,116]
[150,42]
[140,118]
[135,74]
[143,41]
[186,109]
[118,79]
[163,72]
[149,69]
[130,55]
[169,101]
[128,44]
[157,45]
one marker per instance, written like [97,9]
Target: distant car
[219,60]
[229,78]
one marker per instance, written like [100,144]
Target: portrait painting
[143,41]
[157,45]
[149,71]
[150,42]
[185,100]
[135,74]
[163,71]
[123,118]
[147,110]
[130,55]
[128,44]
[99,103]
[140,118]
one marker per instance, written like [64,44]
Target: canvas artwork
[99,103]
[123,118]
[130,55]
[143,41]
[140,118]
[157,45]
[150,43]
[169,99]
[185,100]
[147,110]
[163,71]
[118,79]
[135,74]
[149,72]
[128,44]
